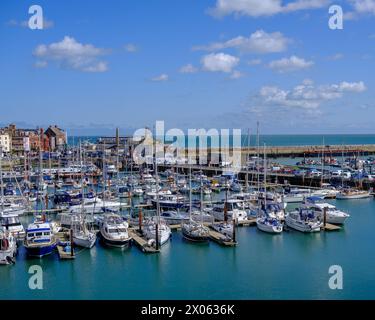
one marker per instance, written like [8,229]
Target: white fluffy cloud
[290,64]
[73,55]
[160,78]
[219,62]
[258,42]
[257,8]
[363,6]
[189,68]
[306,95]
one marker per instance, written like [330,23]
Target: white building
[5,142]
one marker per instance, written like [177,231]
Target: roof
[55,130]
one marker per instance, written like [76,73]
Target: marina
[127,208]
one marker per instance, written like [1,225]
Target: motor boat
[114,231]
[97,206]
[333,215]
[40,239]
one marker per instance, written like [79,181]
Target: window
[39,234]
[46,233]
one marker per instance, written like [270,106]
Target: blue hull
[40,251]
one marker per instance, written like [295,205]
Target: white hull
[301,226]
[341,196]
[268,228]
[85,241]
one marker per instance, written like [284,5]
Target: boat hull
[40,251]
[125,243]
[199,239]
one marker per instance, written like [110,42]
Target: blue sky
[212,64]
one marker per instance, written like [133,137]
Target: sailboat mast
[201,199]
[190,201]
[257,166]
[323,158]
[265,176]
[1,179]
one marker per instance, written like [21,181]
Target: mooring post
[140,220]
[71,243]
[325,217]
[157,235]
[234,230]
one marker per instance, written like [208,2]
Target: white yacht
[296,195]
[97,205]
[303,220]
[114,231]
[333,215]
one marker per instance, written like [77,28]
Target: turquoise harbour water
[287,266]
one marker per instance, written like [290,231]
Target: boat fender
[151,242]
[5,244]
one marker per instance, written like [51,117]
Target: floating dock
[63,255]
[331,227]
[221,239]
[141,242]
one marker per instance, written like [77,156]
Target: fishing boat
[333,215]
[114,231]
[351,194]
[40,240]
[8,248]
[303,220]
